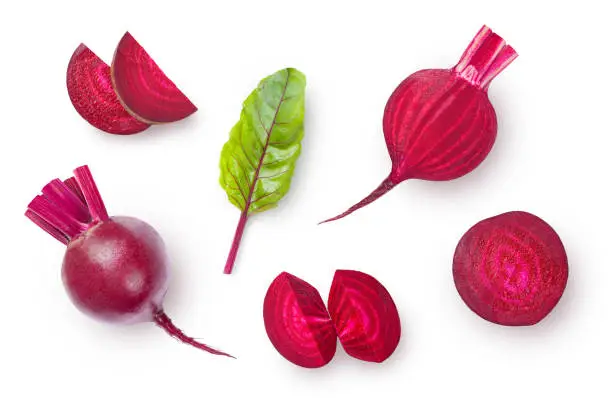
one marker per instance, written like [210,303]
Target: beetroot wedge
[364,315]
[91,92]
[297,322]
[144,90]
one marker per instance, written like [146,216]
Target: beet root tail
[382,189]
[163,321]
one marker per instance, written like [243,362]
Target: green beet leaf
[258,160]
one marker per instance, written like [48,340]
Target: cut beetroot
[511,269]
[144,90]
[91,92]
[297,322]
[364,315]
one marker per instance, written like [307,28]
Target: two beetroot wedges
[126,97]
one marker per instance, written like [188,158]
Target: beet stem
[485,57]
[72,184]
[382,189]
[231,258]
[92,195]
[44,225]
[56,216]
[163,321]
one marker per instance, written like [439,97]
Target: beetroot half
[144,90]
[297,322]
[115,269]
[90,89]
[439,124]
[364,315]
[511,269]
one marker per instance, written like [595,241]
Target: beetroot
[145,91]
[115,268]
[361,313]
[92,94]
[511,269]
[439,124]
[297,322]
[364,315]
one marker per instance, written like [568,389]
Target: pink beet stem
[231,258]
[485,57]
[61,195]
[163,321]
[91,194]
[382,189]
[50,229]
[56,216]
[72,184]
[67,209]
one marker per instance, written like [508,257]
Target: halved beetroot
[297,322]
[91,92]
[144,90]
[364,315]
[511,269]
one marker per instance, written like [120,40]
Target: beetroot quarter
[297,322]
[143,88]
[511,269]
[364,315]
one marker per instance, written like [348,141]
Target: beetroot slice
[91,92]
[364,315]
[297,322]
[144,90]
[511,269]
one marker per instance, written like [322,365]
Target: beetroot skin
[511,269]
[115,269]
[439,124]
[361,313]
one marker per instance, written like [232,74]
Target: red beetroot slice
[143,88]
[297,322]
[91,92]
[365,316]
[511,269]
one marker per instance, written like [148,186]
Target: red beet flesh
[511,269]
[297,322]
[439,124]
[92,94]
[115,268]
[364,315]
[361,313]
[144,90]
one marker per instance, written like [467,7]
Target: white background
[552,158]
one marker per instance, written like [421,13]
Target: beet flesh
[91,92]
[297,322]
[143,88]
[511,269]
[439,124]
[364,315]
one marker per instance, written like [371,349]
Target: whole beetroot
[115,268]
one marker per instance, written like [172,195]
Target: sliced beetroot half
[297,322]
[365,316]
[145,91]
[91,92]
[511,269]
